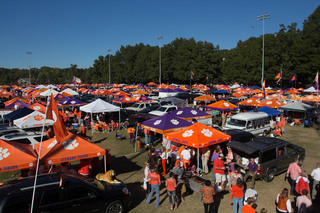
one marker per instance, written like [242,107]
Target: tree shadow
[99,141]
[139,194]
[124,165]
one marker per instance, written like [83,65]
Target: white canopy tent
[49,92]
[34,119]
[51,87]
[310,89]
[100,106]
[70,91]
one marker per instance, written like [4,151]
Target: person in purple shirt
[253,168]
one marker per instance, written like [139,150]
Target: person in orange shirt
[237,195]
[248,208]
[49,133]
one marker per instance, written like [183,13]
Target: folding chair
[118,136]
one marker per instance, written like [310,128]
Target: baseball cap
[221,155]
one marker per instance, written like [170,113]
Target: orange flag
[58,125]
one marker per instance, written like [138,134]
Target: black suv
[272,155]
[63,192]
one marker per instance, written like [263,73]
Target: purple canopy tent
[70,102]
[189,113]
[18,103]
[59,97]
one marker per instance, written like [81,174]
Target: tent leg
[135,144]
[198,162]
[91,125]
[105,163]
[119,119]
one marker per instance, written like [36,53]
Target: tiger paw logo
[4,153]
[38,117]
[157,122]
[174,121]
[70,144]
[188,133]
[206,132]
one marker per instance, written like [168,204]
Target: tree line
[296,50]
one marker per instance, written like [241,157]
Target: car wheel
[115,207]
[270,175]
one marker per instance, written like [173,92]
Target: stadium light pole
[29,53]
[159,39]
[259,18]
[109,66]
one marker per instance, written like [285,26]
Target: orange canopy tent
[272,103]
[256,91]
[15,156]
[205,98]
[105,92]
[151,84]
[140,92]
[121,93]
[250,102]
[311,98]
[198,136]
[73,148]
[38,107]
[222,106]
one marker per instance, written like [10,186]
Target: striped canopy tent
[222,106]
[251,102]
[17,103]
[272,103]
[59,97]
[15,156]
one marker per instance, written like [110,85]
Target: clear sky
[64,32]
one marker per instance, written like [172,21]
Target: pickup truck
[163,110]
[272,155]
[137,107]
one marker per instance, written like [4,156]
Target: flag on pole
[207,78]
[264,84]
[76,80]
[58,125]
[192,74]
[317,81]
[279,74]
[294,77]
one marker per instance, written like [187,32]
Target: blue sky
[64,32]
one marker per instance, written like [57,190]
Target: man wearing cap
[253,168]
[219,171]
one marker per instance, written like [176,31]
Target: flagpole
[295,82]
[38,159]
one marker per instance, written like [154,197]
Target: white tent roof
[49,92]
[34,119]
[70,91]
[51,87]
[310,89]
[234,86]
[99,106]
[40,86]
[296,107]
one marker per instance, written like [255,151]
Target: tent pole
[119,119]
[105,162]
[135,144]
[91,125]
[198,161]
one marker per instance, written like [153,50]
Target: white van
[254,122]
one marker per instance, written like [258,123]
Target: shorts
[220,177]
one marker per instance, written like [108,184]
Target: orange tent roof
[66,94]
[73,148]
[240,93]
[260,95]
[121,93]
[205,98]
[38,107]
[256,91]
[14,99]
[293,91]
[311,98]
[222,106]
[273,103]
[141,92]
[151,84]
[15,156]
[251,102]
[105,92]
[198,136]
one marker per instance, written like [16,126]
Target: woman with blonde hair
[283,203]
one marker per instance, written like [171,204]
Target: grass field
[129,166]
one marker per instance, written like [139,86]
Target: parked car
[63,192]
[163,110]
[239,135]
[255,122]
[143,114]
[272,155]
[138,106]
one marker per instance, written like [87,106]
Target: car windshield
[235,122]
[162,109]
[136,105]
